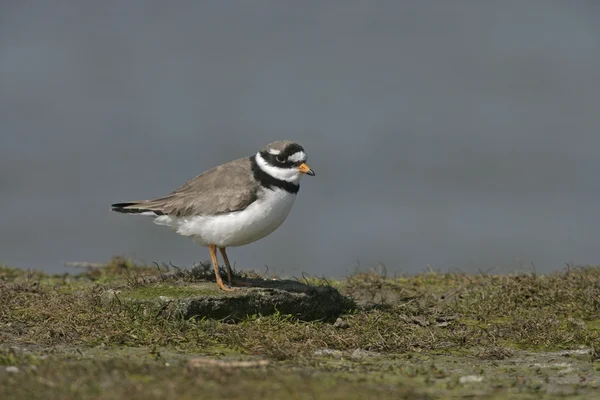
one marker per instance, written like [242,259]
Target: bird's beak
[305,169]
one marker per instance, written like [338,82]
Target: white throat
[291,175]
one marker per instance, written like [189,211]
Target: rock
[329,352]
[470,379]
[359,354]
[206,362]
[341,324]
[263,297]
[109,296]
[12,369]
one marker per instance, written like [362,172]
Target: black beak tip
[310,172]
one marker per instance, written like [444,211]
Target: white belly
[239,228]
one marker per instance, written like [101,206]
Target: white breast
[238,228]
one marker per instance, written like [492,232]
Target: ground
[100,334]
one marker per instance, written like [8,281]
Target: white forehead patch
[298,156]
[274,152]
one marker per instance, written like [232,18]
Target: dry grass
[484,317]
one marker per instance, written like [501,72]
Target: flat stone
[470,379]
[259,297]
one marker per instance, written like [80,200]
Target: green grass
[409,336]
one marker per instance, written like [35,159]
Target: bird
[232,204]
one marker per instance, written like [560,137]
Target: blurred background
[459,135]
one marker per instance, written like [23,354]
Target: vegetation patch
[172,291]
[433,335]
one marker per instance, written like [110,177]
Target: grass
[148,292]
[409,337]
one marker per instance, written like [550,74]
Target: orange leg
[226,260]
[229,271]
[213,256]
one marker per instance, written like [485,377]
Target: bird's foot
[223,287]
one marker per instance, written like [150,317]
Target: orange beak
[305,169]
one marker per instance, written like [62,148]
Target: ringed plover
[232,204]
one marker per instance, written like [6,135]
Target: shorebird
[233,204]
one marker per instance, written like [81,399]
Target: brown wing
[226,188]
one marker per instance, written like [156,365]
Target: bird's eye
[280,159]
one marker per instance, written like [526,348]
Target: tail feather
[134,207]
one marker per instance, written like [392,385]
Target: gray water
[451,134]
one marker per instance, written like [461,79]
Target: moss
[593,324]
[416,335]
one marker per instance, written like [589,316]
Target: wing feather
[226,188]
